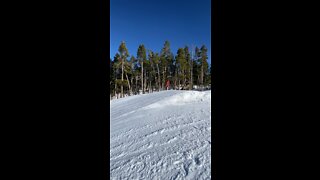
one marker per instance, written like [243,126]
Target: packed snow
[163,135]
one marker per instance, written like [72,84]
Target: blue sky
[152,22]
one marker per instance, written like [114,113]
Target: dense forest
[149,71]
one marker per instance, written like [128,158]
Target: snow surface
[163,135]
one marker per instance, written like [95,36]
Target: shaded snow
[163,135]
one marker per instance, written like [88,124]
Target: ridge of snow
[182,99]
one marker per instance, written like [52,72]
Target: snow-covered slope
[163,135]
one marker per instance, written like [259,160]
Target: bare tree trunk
[132,85]
[163,79]
[175,79]
[142,78]
[155,77]
[115,88]
[129,84]
[202,75]
[145,81]
[197,80]
[136,84]
[159,78]
[191,69]
[122,78]
[165,75]
[184,81]
[191,81]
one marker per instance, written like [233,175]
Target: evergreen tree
[156,60]
[208,79]
[203,63]
[196,66]
[123,58]
[141,56]
[180,67]
[127,71]
[188,67]
[112,80]
[147,70]
[133,73]
[167,62]
[191,70]
[116,71]
[187,75]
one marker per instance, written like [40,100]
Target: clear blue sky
[151,22]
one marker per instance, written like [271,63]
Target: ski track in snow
[163,135]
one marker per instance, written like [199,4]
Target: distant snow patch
[186,97]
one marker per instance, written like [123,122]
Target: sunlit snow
[163,135]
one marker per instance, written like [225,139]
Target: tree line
[148,71]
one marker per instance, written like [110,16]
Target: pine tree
[123,58]
[127,71]
[111,84]
[196,66]
[133,73]
[116,66]
[204,63]
[167,62]
[153,74]
[191,70]
[187,76]
[157,61]
[141,56]
[180,66]
[208,79]
[147,67]
[188,67]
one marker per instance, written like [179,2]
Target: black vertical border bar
[103,107]
[217,45]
